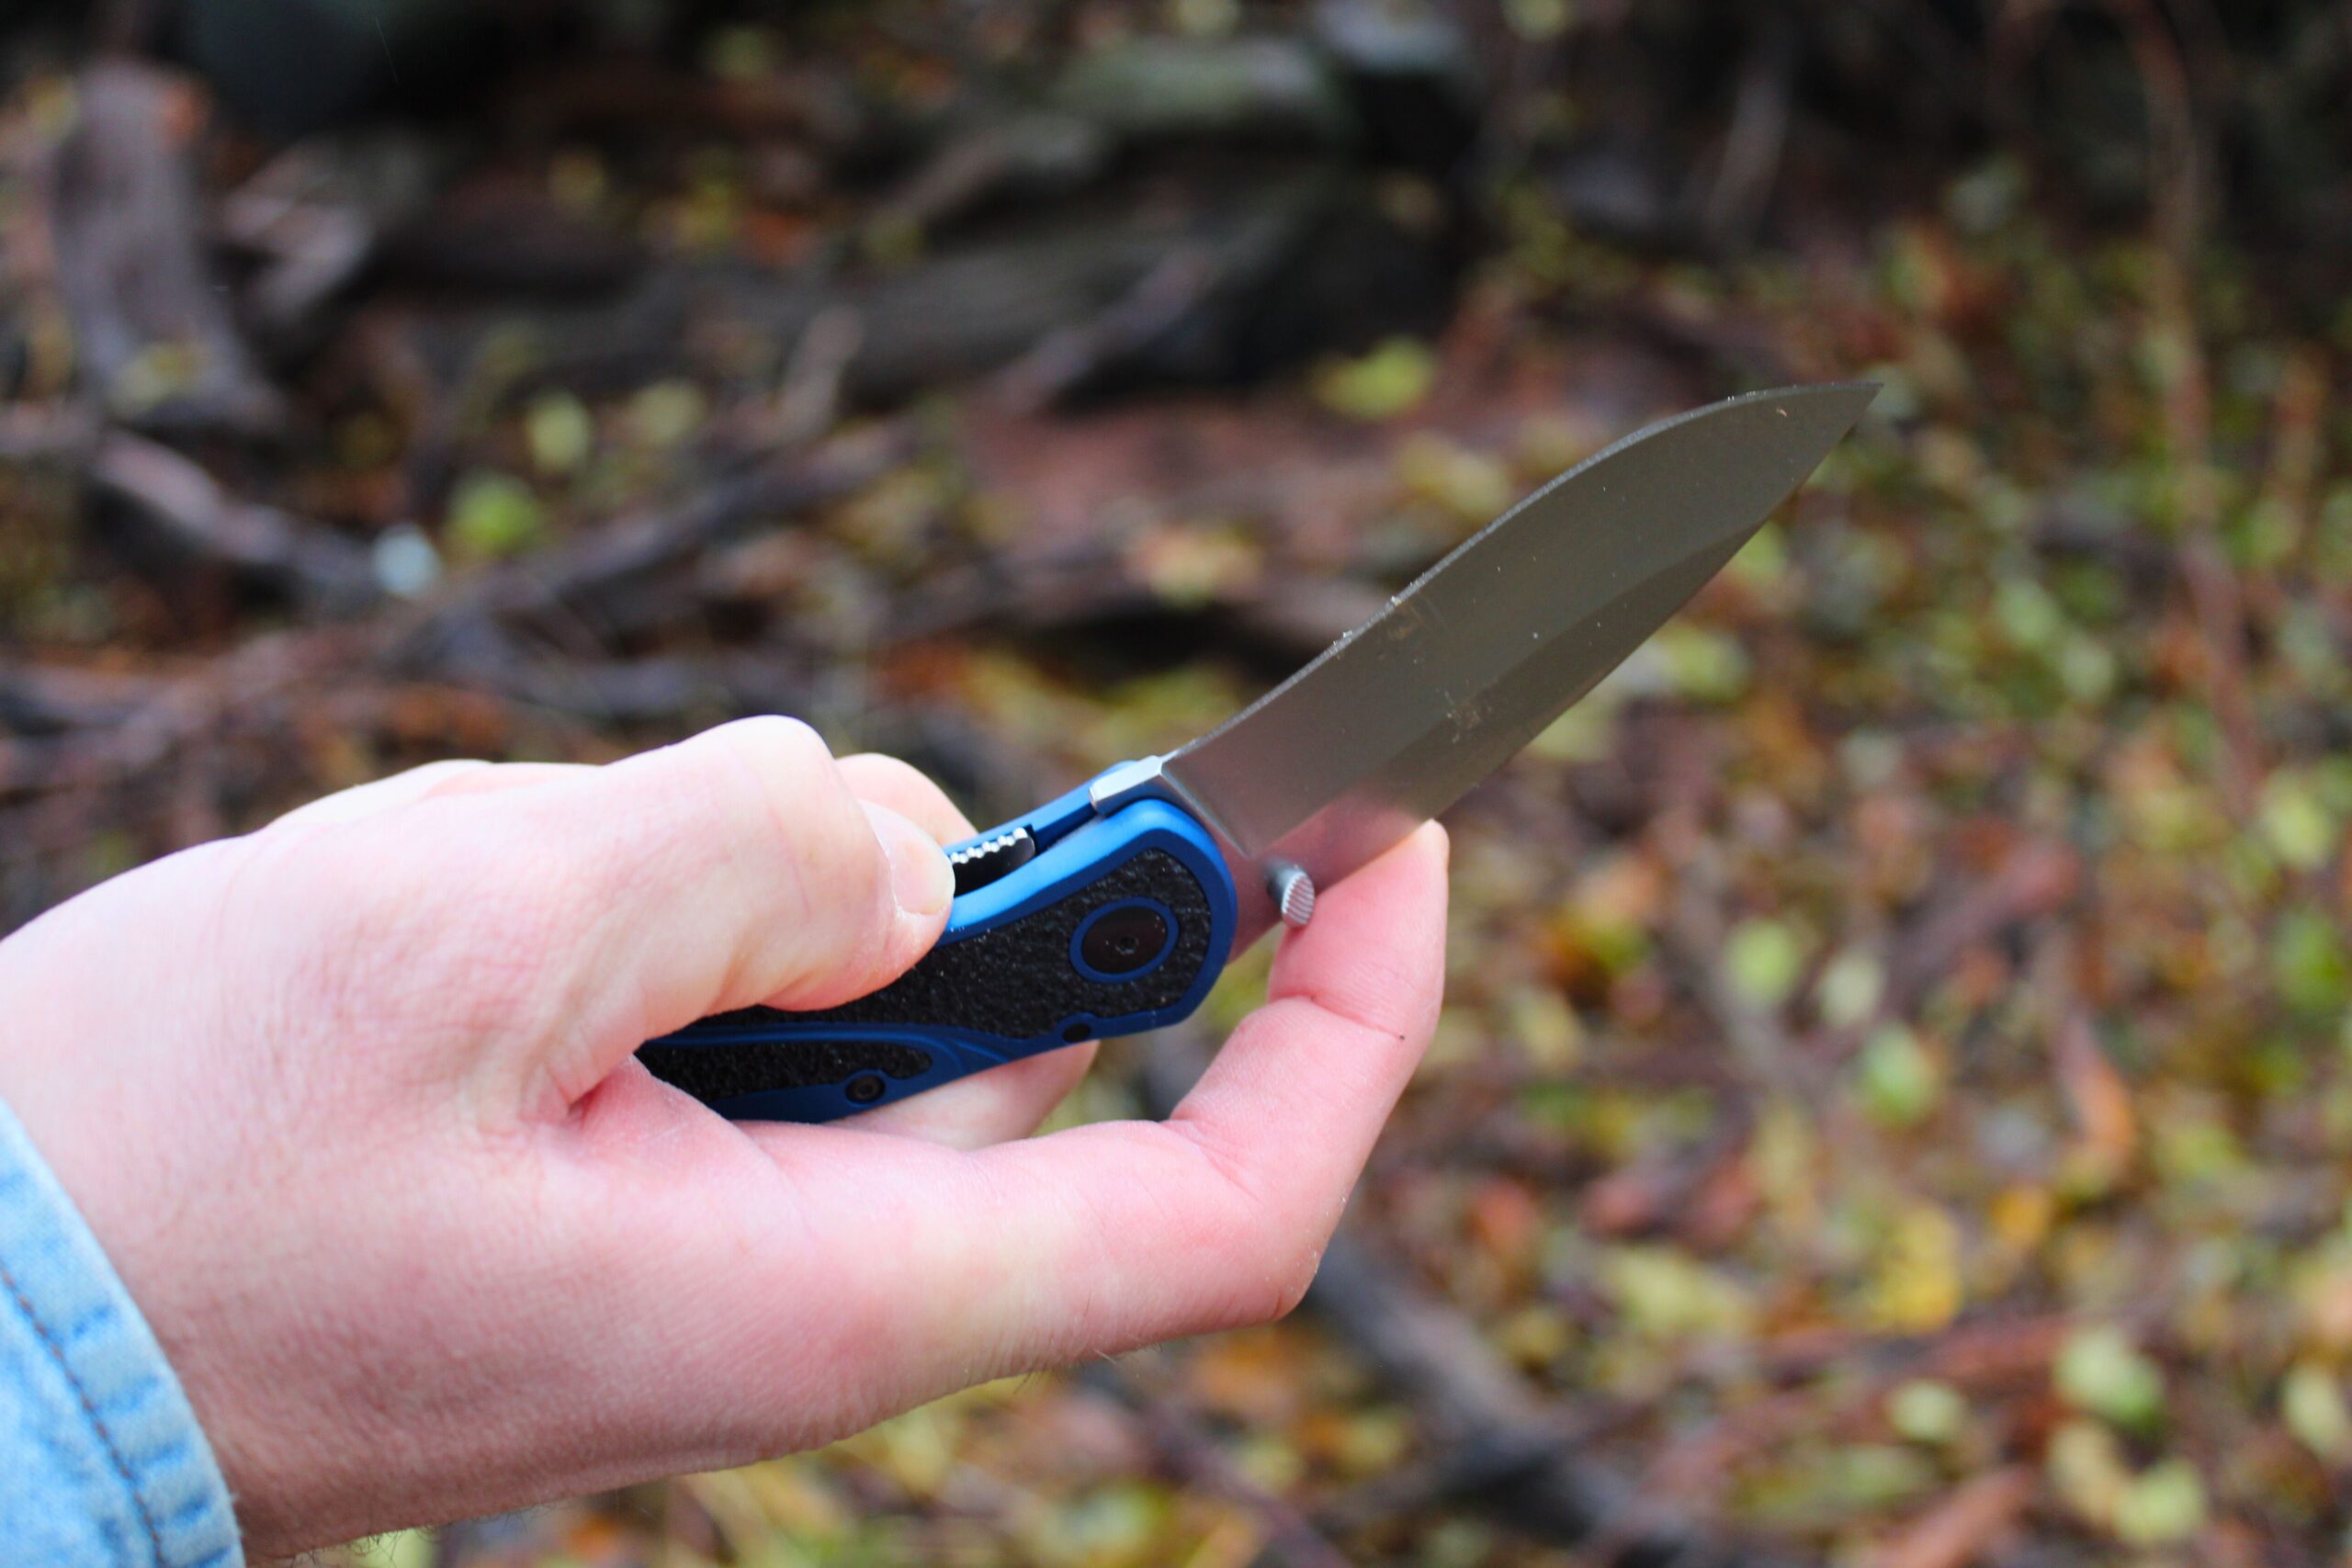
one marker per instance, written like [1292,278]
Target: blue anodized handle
[1119,921]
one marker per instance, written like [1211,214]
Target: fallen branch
[153,335]
[1189,1454]
[1757,141]
[179,507]
[145,752]
[578,583]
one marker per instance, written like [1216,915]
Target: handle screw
[1293,892]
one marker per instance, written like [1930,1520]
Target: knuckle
[1284,1267]
[1268,1243]
[782,749]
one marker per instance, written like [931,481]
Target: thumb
[620,903]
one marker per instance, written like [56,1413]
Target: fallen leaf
[1963,1526]
[2101,1102]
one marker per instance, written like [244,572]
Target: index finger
[1105,1237]
[1218,1217]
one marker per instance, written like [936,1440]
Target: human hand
[351,1103]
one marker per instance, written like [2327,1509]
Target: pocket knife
[1113,909]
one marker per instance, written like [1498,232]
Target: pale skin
[351,1104]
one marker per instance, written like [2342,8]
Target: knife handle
[1066,926]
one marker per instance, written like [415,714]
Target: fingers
[379,794]
[430,781]
[1218,1217]
[1105,1237]
[1350,1009]
[598,908]
[885,781]
[989,1108]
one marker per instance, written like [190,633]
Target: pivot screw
[1293,892]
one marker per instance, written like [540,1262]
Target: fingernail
[920,879]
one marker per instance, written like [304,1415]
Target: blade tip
[1844,401]
[1859,395]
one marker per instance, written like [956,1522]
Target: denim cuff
[101,1459]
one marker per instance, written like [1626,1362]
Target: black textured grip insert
[722,1072]
[1014,982]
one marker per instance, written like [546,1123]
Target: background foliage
[1894,1098]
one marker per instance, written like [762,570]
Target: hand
[351,1104]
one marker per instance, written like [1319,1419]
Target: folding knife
[1113,909]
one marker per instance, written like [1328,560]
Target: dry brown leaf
[2099,1098]
[1965,1526]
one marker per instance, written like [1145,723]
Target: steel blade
[1393,722]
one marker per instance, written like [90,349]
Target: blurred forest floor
[1895,1098]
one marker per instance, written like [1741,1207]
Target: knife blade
[1113,909]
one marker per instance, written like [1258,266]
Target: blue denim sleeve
[101,1461]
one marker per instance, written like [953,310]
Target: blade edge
[1599,533]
